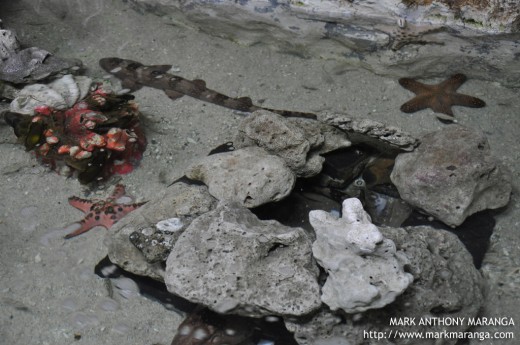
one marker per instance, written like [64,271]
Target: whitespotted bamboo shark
[134,75]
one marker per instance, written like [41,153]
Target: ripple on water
[121,328]
[107,304]
[69,303]
[84,320]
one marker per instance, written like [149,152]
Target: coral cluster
[96,137]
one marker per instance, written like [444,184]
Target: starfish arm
[467,101]
[416,104]
[81,204]
[123,209]
[86,224]
[414,86]
[443,109]
[453,83]
[118,192]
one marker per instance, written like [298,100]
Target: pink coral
[97,137]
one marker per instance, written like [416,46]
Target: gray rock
[382,137]
[279,136]
[364,269]
[446,285]
[8,43]
[250,176]
[232,262]
[33,64]
[155,227]
[452,175]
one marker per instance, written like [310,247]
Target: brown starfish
[439,97]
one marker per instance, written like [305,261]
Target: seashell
[83,85]
[44,149]
[83,155]
[52,140]
[73,150]
[59,94]
[63,149]
[401,22]
[116,139]
[36,95]
[66,86]
[92,141]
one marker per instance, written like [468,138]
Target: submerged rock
[452,175]
[232,262]
[297,141]
[250,176]
[446,285]
[364,269]
[376,134]
[8,43]
[141,241]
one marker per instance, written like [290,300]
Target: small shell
[92,141]
[83,155]
[170,225]
[401,22]
[52,140]
[73,150]
[90,124]
[44,149]
[116,139]
[63,149]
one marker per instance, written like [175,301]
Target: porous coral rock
[373,133]
[8,43]
[365,271]
[297,141]
[143,256]
[250,176]
[446,286]
[452,175]
[279,136]
[232,262]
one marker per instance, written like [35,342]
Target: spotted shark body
[134,75]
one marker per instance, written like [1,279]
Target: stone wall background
[389,37]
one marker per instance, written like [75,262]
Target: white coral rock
[364,269]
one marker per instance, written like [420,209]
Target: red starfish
[439,97]
[101,212]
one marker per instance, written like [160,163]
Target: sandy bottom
[48,291]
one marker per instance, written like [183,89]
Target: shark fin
[200,83]
[173,94]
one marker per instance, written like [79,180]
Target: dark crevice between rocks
[365,173]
